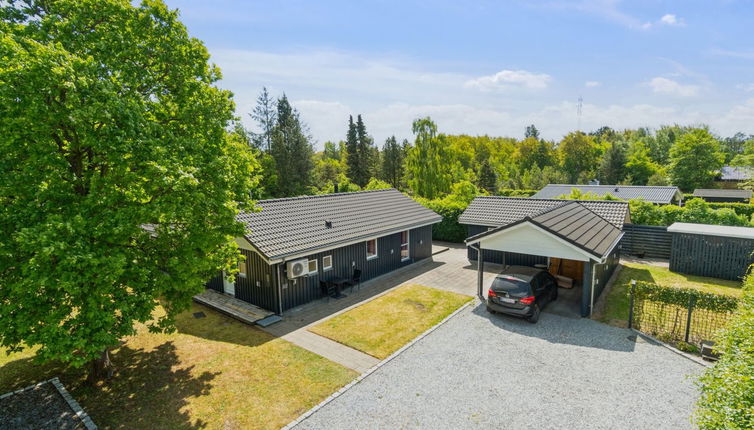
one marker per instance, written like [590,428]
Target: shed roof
[493,211]
[295,226]
[572,222]
[716,192]
[653,194]
[736,173]
[712,230]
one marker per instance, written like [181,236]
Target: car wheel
[489,309]
[535,315]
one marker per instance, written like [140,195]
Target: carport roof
[573,222]
[493,211]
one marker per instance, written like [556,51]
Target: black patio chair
[355,280]
[328,289]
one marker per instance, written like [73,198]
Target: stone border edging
[72,403]
[361,377]
[686,355]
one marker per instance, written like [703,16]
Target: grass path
[383,325]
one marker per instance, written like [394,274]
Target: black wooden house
[294,243]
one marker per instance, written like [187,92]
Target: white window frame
[316,266]
[376,251]
[242,271]
[407,244]
[325,266]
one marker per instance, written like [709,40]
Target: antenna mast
[578,113]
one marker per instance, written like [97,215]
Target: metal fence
[674,315]
[646,241]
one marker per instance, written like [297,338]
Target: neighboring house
[733,175]
[722,195]
[293,243]
[653,194]
[581,237]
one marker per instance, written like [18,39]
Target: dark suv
[522,291]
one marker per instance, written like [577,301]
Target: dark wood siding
[501,257]
[646,240]
[345,259]
[216,283]
[714,256]
[603,272]
[258,286]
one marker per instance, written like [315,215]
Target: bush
[696,211]
[510,192]
[448,229]
[727,388]
[743,209]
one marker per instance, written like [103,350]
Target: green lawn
[616,306]
[383,325]
[214,372]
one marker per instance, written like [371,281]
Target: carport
[569,231]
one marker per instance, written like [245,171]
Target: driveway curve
[489,371]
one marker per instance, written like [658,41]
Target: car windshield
[514,287]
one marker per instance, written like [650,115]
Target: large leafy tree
[292,150]
[639,165]
[119,185]
[695,160]
[579,154]
[426,161]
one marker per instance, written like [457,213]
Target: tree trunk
[102,367]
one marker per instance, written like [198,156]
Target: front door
[228,287]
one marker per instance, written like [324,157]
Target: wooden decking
[231,306]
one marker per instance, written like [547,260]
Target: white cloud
[592,84]
[670,19]
[662,85]
[510,78]
[746,87]
[744,55]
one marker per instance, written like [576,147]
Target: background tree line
[686,156]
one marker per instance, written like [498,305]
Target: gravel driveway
[483,371]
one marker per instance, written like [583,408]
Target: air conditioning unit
[297,268]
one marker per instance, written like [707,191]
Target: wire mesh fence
[678,315]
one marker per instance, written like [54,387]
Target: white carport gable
[527,238]
[569,231]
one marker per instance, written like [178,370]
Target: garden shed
[719,195]
[716,251]
[581,235]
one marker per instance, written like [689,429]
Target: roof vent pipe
[328,224]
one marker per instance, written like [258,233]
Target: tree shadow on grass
[150,389]
[218,327]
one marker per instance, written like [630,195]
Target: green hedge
[681,296]
[727,388]
[695,211]
[511,192]
[448,229]
[743,209]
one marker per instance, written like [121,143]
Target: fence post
[692,300]
[631,305]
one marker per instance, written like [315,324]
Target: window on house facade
[327,262]
[371,249]
[313,266]
[404,245]
[242,268]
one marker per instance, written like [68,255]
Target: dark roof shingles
[296,225]
[494,211]
[654,194]
[715,192]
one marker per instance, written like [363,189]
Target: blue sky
[487,67]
